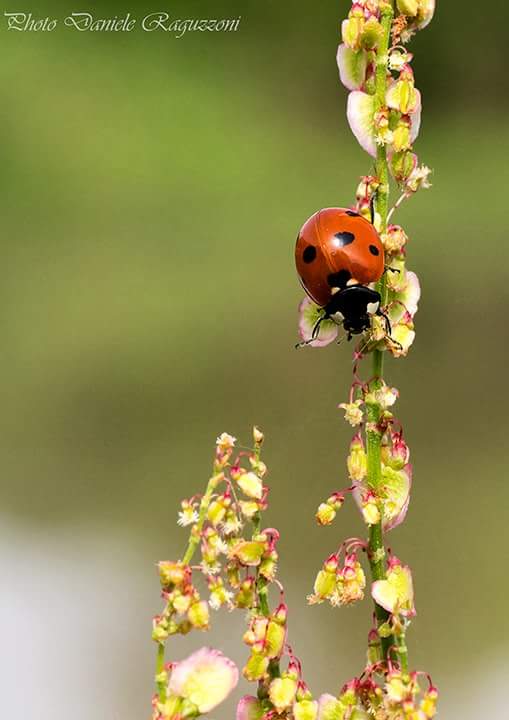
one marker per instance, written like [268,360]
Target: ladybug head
[352,307]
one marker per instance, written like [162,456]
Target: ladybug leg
[314,333]
[389,269]
[388,328]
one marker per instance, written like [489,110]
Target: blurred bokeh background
[152,188]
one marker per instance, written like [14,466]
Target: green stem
[262,594]
[194,540]
[376,548]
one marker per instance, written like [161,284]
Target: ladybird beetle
[338,255]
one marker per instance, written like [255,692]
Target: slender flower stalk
[376,551]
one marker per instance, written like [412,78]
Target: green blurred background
[152,188]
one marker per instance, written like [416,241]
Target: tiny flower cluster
[388,502]
[398,696]
[396,123]
[238,564]
[287,697]
[339,584]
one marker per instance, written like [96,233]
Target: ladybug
[338,255]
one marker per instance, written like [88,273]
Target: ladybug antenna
[388,329]
[372,202]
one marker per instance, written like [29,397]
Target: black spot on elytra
[339,279]
[309,254]
[352,213]
[374,250]
[345,238]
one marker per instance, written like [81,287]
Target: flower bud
[371,33]
[305,710]
[274,639]
[428,704]
[401,136]
[282,692]
[370,510]
[383,133]
[256,667]
[352,27]
[268,566]
[397,454]
[249,508]
[160,630]
[198,615]
[173,574]
[357,461]
[180,602]
[248,552]
[258,436]
[251,485]
[402,95]
[394,240]
[249,708]
[216,512]
[325,582]
[408,7]
[325,514]
[330,708]
[245,596]
[402,165]
[353,413]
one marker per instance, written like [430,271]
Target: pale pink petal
[249,708]
[360,112]
[385,595]
[309,314]
[412,293]
[426,13]
[205,678]
[407,299]
[415,118]
[352,67]
[400,507]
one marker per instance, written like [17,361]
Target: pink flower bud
[249,708]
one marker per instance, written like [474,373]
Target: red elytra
[337,247]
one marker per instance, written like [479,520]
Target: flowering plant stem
[376,549]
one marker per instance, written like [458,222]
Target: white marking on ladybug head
[333,291]
[338,317]
[353,281]
[372,308]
